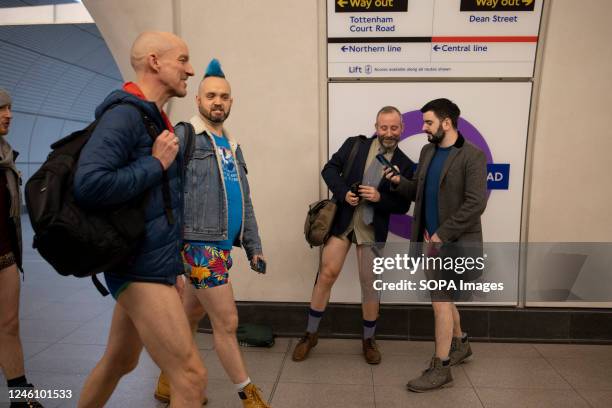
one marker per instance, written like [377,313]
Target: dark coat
[115,166]
[14,227]
[390,202]
[462,193]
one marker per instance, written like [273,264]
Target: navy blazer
[390,202]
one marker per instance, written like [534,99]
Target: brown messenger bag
[321,213]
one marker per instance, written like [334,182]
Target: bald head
[152,43]
[161,63]
[216,83]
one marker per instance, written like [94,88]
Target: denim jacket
[205,196]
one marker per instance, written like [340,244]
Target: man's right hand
[165,148]
[352,199]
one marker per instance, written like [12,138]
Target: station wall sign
[432,39]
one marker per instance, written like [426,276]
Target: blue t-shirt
[232,193]
[432,182]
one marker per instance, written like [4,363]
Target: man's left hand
[256,259]
[435,238]
[369,193]
[180,285]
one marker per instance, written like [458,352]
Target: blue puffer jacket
[115,166]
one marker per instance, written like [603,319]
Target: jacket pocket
[203,194]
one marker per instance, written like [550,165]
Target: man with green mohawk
[218,215]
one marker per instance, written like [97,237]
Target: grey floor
[64,324]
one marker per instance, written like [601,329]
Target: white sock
[242,385]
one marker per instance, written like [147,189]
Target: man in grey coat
[450,194]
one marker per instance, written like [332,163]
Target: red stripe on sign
[484,39]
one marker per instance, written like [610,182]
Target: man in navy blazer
[365,203]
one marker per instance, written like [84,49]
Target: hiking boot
[307,342]
[162,391]
[459,351]
[436,376]
[251,397]
[370,351]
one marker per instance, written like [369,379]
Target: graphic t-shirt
[232,193]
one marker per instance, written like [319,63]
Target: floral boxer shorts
[206,266]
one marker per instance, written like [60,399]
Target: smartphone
[260,266]
[383,160]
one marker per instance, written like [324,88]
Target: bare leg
[443,315]
[221,308]
[457,332]
[332,259]
[154,314]
[370,301]
[192,306]
[11,351]
[120,358]
[195,312]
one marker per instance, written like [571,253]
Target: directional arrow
[527,2]
[343,3]
[436,47]
[343,48]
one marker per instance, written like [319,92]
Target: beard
[436,138]
[215,119]
[388,144]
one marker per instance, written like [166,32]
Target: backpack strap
[153,133]
[349,163]
[103,291]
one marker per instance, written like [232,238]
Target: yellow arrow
[343,3]
[527,2]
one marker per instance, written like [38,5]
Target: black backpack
[76,241]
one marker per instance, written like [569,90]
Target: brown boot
[162,391]
[307,342]
[251,397]
[370,351]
